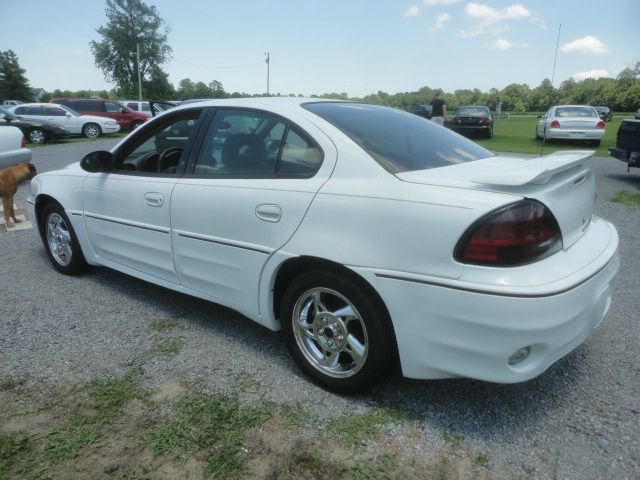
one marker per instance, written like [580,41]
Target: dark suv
[127,119]
[604,113]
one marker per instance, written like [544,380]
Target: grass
[631,199]
[353,430]
[101,402]
[163,325]
[452,439]
[167,348]
[215,426]
[517,135]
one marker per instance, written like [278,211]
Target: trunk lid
[560,181]
[577,123]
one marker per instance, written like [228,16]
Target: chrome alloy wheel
[330,332]
[59,239]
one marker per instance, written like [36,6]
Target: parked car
[423,111]
[127,119]
[605,113]
[36,131]
[11,103]
[472,120]
[369,236]
[142,107]
[627,147]
[87,125]
[571,122]
[637,115]
[13,147]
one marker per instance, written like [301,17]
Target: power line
[217,66]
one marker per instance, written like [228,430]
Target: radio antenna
[553,74]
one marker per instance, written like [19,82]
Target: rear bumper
[627,156]
[470,128]
[14,157]
[569,134]
[447,331]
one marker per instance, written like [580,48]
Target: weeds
[163,325]
[631,199]
[353,430]
[168,347]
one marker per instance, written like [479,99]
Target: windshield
[473,112]
[397,140]
[575,112]
[70,110]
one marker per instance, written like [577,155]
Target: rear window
[576,112]
[397,140]
[473,112]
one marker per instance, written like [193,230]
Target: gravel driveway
[580,419]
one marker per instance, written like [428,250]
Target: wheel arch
[41,202]
[292,267]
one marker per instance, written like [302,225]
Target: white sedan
[571,122]
[90,126]
[370,237]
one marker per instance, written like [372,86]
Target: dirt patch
[168,391]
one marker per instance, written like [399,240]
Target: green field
[517,135]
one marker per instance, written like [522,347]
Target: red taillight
[485,121]
[519,233]
[555,124]
[23,144]
[600,124]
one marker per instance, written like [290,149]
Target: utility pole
[267,60]
[139,77]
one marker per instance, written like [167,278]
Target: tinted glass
[133,106]
[35,110]
[241,143]
[113,107]
[575,112]
[399,141]
[299,155]
[54,111]
[473,112]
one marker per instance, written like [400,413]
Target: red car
[127,119]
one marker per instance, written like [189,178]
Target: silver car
[571,122]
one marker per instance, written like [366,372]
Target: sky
[353,46]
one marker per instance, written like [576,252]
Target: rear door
[243,198]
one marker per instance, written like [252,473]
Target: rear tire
[60,240]
[91,130]
[135,124]
[337,334]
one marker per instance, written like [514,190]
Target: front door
[242,199]
[127,210]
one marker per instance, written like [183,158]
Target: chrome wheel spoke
[330,360]
[346,312]
[355,349]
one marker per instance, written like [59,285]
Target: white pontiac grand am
[369,236]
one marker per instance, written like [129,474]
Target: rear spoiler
[535,170]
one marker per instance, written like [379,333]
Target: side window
[113,107]
[241,143]
[158,148]
[299,156]
[133,106]
[54,111]
[250,144]
[145,107]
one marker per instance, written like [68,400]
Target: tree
[13,84]
[131,23]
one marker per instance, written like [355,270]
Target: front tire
[60,240]
[135,124]
[335,331]
[91,130]
[37,136]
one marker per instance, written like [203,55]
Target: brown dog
[9,179]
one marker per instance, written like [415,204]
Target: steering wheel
[169,159]
[149,162]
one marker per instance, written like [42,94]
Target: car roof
[256,102]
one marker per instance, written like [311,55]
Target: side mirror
[124,110]
[67,114]
[539,117]
[99,161]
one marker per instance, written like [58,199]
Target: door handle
[269,213]
[154,199]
